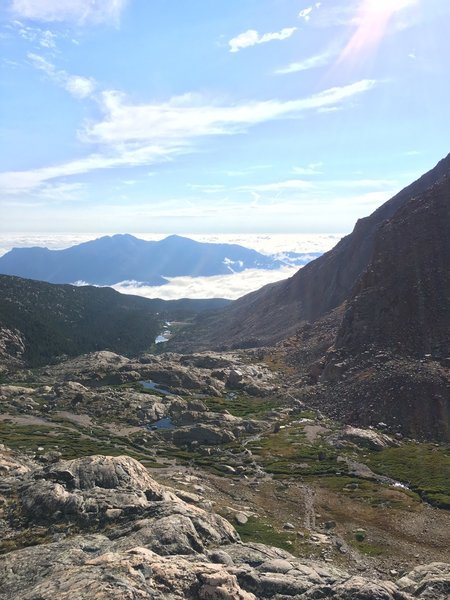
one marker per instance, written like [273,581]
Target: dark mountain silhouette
[111,259]
[402,301]
[46,320]
[277,310]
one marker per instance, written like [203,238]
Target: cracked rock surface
[112,532]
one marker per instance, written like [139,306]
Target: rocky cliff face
[277,310]
[402,301]
[390,361]
[109,531]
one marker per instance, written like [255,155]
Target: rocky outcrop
[99,490]
[12,349]
[427,581]
[138,539]
[367,438]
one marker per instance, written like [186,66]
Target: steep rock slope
[276,311]
[390,361]
[403,299]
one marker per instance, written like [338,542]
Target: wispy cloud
[20,182]
[135,135]
[81,12]
[252,37]
[184,118]
[207,188]
[312,62]
[311,169]
[305,13]
[78,86]
[279,186]
[36,35]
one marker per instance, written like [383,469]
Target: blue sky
[216,116]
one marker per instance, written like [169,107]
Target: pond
[165,423]
[151,385]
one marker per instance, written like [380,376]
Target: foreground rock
[137,539]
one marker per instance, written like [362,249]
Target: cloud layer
[231,286]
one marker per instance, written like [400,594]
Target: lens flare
[372,21]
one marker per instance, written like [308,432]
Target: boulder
[367,438]
[202,434]
[431,582]
[83,490]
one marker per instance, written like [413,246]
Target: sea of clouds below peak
[230,286]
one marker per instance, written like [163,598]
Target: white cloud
[60,192]
[311,169]
[207,188]
[43,37]
[48,40]
[312,62]
[78,86]
[252,37]
[305,13]
[19,182]
[186,117]
[135,135]
[279,186]
[73,11]
[218,286]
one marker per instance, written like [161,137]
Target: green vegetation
[25,538]
[241,405]
[371,492]
[65,320]
[58,320]
[367,549]
[425,468]
[275,360]
[69,441]
[261,531]
[288,454]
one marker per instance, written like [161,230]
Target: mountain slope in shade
[112,259]
[40,321]
[391,356]
[277,310]
[402,301]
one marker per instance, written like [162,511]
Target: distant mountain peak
[111,259]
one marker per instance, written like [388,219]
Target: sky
[244,116]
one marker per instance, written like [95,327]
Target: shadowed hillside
[40,321]
[403,299]
[277,310]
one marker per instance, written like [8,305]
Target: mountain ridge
[122,257]
[277,310]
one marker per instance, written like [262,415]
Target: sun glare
[372,21]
